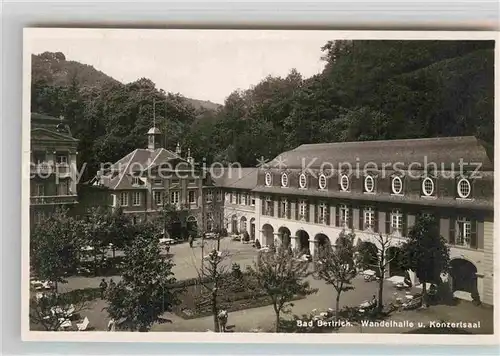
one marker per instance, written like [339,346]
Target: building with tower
[145,180]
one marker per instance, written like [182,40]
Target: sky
[199,64]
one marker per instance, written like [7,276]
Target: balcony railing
[47,168]
[53,199]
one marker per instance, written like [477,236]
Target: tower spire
[154,133]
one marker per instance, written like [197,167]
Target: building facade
[308,196]
[145,180]
[53,169]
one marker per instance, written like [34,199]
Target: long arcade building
[307,196]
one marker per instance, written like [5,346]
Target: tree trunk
[215,311]
[381,292]
[337,306]
[277,312]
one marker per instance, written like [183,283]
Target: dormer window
[369,184]
[344,183]
[322,181]
[396,185]
[136,181]
[464,188]
[303,181]
[427,187]
[284,180]
[269,179]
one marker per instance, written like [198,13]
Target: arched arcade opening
[463,275]
[322,243]
[284,236]
[267,235]
[303,242]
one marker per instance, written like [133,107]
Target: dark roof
[119,175]
[440,150]
[237,178]
[54,124]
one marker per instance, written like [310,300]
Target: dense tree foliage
[426,252]
[368,90]
[144,294]
[54,247]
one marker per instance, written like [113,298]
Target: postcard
[250,185]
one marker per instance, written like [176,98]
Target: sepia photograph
[257,182]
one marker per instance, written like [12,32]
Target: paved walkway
[263,318]
[187,261]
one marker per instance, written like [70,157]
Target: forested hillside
[368,90]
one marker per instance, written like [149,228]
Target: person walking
[190,240]
[103,286]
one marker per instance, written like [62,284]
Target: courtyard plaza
[187,261]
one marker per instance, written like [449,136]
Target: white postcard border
[31,34]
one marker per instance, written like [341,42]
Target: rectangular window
[302,209]
[369,218]
[62,159]
[234,198]
[396,220]
[269,207]
[157,181]
[210,221]
[344,216]
[323,214]
[174,197]
[463,233]
[243,199]
[40,190]
[228,197]
[63,188]
[252,200]
[124,199]
[158,197]
[284,209]
[136,198]
[191,197]
[39,157]
[219,195]
[135,181]
[113,199]
[210,196]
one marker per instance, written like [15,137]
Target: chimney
[178,149]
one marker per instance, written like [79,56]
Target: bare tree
[281,276]
[336,267]
[378,260]
[211,276]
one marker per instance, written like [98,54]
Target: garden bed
[233,296]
